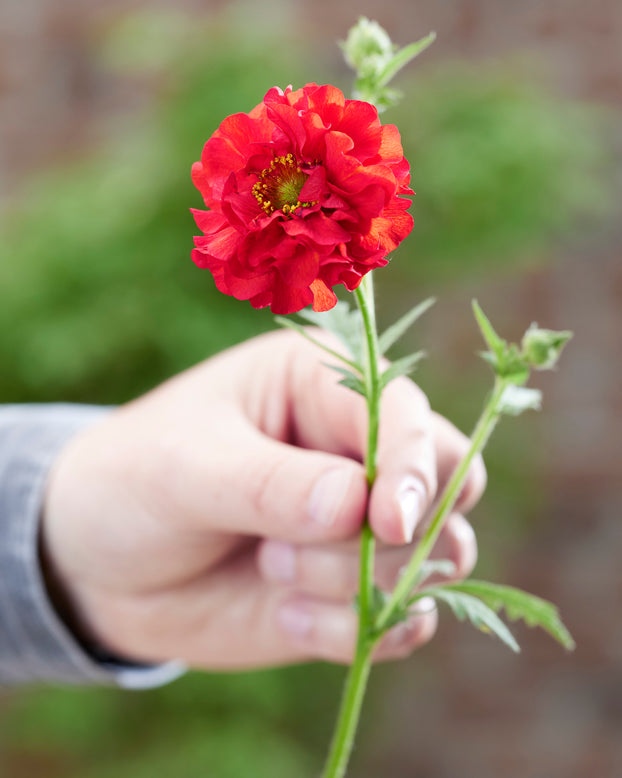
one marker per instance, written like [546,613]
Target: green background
[99,301]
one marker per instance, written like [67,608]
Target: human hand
[215,519]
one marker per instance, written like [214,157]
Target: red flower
[303,194]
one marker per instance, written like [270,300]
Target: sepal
[402,57]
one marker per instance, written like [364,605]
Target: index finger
[330,417]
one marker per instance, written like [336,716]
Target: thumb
[252,484]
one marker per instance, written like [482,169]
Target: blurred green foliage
[502,167]
[99,297]
[100,301]
[213,725]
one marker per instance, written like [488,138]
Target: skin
[215,519]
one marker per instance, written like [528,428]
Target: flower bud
[368,47]
[541,348]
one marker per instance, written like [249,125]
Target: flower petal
[257,241]
[323,298]
[289,299]
[318,228]
[300,270]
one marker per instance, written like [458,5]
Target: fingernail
[424,605]
[295,619]
[464,532]
[410,501]
[465,535]
[328,495]
[278,561]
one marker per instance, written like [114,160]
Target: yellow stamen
[279,186]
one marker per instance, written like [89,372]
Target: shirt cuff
[35,645]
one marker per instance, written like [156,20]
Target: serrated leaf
[355,384]
[294,325]
[393,333]
[402,366]
[350,379]
[434,567]
[496,344]
[534,611]
[403,57]
[467,606]
[516,399]
[344,322]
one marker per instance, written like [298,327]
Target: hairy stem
[479,438]
[356,681]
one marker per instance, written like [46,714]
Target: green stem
[479,438]
[365,299]
[356,681]
[349,713]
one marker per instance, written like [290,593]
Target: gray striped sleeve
[34,644]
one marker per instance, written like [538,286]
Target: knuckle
[475,484]
[466,548]
[341,651]
[262,483]
[404,638]
[333,578]
[404,390]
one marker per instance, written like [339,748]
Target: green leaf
[344,322]
[403,57]
[294,325]
[393,333]
[506,359]
[516,399]
[496,344]
[534,611]
[467,606]
[350,379]
[355,384]
[492,360]
[400,367]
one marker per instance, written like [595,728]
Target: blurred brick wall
[475,711]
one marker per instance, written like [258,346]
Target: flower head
[304,194]
[541,348]
[368,47]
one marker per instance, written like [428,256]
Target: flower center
[279,186]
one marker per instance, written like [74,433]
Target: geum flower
[304,193]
